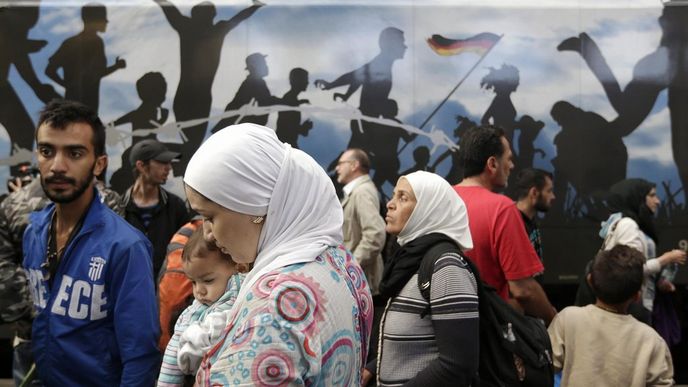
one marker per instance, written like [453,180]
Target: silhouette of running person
[455,174]
[253,88]
[383,143]
[151,88]
[502,81]
[289,125]
[666,67]
[200,45]
[82,59]
[591,154]
[15,47]
[375,81]
[421,157]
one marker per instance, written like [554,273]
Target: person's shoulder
[649,335]
[479,192]
[574,311]
[626,223]
[455,265]
[173,198]
[117,228]
[365,186]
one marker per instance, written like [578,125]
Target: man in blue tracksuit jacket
[90,275]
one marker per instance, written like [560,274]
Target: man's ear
[533,193]
[588,279]
[100,165]
[139,165]
[491,165]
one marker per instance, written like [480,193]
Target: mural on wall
[592,94]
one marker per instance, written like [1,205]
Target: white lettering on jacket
[74,292]
[38,290]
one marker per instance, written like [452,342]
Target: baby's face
[209,276]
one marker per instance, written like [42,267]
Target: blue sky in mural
[329,40]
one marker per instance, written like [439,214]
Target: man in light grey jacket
[364,228]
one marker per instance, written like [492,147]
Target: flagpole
[460,82]
[453,90]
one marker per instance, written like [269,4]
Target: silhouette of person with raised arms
[375,81]
[200,44]
[82,59]
[501,112]
[666,67]
[15,47]
[455,173]
[151,88]
[253,88]
[289,125]
[591,154]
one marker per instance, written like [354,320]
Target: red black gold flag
[478,44]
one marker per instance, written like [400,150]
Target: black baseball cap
[152,150]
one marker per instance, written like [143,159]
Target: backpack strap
[427,268]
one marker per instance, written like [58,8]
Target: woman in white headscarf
[303,314]
[435,342]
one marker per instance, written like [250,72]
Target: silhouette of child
[151,88]
[289,125]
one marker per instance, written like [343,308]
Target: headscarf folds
[439,209]
[246,169]
[629,198]
[440,215]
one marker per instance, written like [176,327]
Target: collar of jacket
[130,206]
[94,215]
[365,179]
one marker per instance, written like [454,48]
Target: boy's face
[209,276]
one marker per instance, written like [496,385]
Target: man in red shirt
[501,249]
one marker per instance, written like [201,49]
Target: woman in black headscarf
[634,203]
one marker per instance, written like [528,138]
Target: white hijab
[439,209]
[245,168]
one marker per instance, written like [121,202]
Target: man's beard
[541,205]
[64,198]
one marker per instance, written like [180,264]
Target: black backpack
[515,350]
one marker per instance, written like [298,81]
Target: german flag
[478,44]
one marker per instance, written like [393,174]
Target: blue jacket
[98,324]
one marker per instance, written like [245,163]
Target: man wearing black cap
[149,207]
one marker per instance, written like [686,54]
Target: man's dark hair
[59,113]
[528,178]
[362,158]
[617,274]
[477,145]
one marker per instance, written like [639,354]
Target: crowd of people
[266,277]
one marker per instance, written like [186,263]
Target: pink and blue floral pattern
[308,324]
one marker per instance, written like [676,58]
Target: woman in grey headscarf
[303,314]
